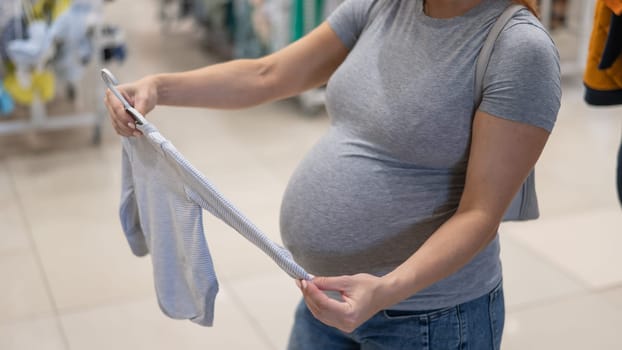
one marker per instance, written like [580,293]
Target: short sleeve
[523,80]
[349,19]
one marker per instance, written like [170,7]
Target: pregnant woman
[396,208]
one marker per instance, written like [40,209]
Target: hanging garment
[6,102]
[113,44]
[246,43]
[306,15]
[42,84]
[15,28]
[603,72]
[70,30]
[615,6]
[34,51]
[277,14]
[161,213]
[49,9]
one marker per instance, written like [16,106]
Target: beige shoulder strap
[486,51]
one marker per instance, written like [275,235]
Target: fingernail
[131,125]
[136,133]
[304,284]
[298,284]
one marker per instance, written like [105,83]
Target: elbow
[267,80]
[487,221]
[276,80]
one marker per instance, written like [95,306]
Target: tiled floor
[69,280]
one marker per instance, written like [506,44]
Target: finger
[121,129]
[325,309]
[322,301]
[340,283]
[309,300]
[113,121]
[135,131]
[118,111]
[123,123]
[127,97]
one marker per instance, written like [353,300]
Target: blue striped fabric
[162,201]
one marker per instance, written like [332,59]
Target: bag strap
[486,51]
[524,205]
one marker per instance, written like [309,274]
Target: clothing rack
[36,114]
[252,28]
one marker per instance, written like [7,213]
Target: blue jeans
[477,324]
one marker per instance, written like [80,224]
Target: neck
[448,8]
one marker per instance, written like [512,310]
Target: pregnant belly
[347,210]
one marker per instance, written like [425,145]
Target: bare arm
[305,64]
[502,154]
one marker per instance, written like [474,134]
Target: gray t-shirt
[391,168]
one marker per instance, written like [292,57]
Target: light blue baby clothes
[161,213]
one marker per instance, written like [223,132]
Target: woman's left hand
[361,298]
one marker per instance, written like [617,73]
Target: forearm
[451,247]
[230,85]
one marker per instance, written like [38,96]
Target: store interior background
[69,280]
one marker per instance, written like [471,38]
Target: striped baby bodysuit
[162,200]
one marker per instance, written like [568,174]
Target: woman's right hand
[141,94]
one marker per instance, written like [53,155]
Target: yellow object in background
[603,84]
[615,6]
[55,7]
[43,84]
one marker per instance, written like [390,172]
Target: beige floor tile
[277,129]
[60,173]
[234,256]
[39,334]
[228,164]
[281,167]
[584,245]
[576,171]
[23,293]
[83,250]
[613,295]
[141,325]
[270,300]
[253,190]
[87,258]
[576,323]
[266,216]
[42,141]
[13,234]
[530,279]
[243,183]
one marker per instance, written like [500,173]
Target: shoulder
[351,18]
[524,37]
[363,10]
[524,45]
[523,78]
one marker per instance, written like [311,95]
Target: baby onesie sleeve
[349,19]
[523,81]
[128,211]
